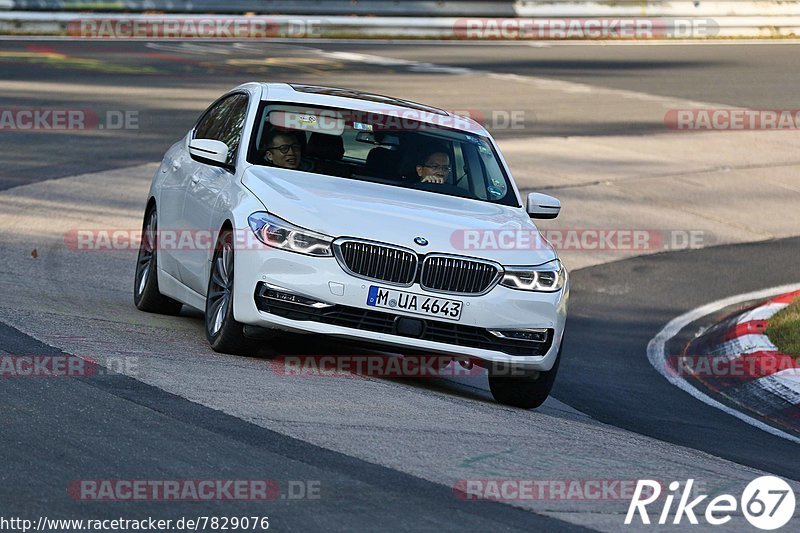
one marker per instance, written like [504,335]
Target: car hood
[342,207]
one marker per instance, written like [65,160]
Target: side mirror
[543,206]
[209,151]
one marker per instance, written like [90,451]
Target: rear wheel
[527,392]
[146,295]
[222,331]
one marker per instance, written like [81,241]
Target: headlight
[543,278]
[278,233]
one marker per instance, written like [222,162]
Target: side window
[224,122]
[213,119]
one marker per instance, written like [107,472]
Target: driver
[434,165]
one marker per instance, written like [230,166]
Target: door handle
[195,180]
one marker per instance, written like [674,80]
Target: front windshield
[381,148]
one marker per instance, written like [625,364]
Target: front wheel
[146,295]
[223,333]
[527,392]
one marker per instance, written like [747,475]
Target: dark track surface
[55,431]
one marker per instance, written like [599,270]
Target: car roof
[343,98]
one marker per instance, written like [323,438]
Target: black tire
[527,392]
[224,334]
[146,295]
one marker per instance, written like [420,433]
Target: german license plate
[417,304]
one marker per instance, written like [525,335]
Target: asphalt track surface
[120,428]
[116,427]
[748,75]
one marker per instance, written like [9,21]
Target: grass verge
[784,329]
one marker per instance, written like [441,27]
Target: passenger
[434,165]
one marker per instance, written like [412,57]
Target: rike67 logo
[767,502]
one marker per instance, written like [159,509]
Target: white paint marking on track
[785,384]
[744,345]
[762,312]
[382,61]
[656,353]
[543,83]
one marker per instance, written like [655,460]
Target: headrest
[383,162]
[325,146]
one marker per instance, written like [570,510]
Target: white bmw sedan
[331,211]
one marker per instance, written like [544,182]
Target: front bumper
[346,314]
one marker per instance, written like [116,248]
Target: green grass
[784,329]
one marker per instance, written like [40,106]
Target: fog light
[531,335]
[273,292]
